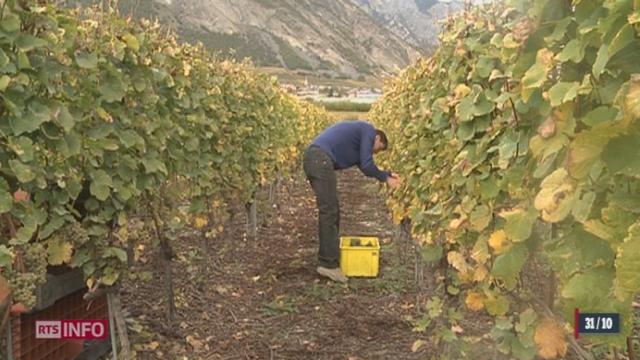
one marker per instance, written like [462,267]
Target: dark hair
[383,138]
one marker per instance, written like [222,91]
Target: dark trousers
[318,166]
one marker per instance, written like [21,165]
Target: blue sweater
[350,143]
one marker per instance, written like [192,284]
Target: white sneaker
[333,274]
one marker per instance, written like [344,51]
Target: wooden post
[116,316]
[252,217]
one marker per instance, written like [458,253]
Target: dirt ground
[261,298]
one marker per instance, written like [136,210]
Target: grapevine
[105,119]
[518,142]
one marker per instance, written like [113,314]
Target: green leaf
[574,51]
[622,155]
[10,23]
[4,59]
[110,276]
[37,114]
[23,235]
[87,60]
[4,82]
[559,31]
[583,205]
[527,320]
[6,200]
[112,89]
[601,61]
[591,289]
[23,172]
[586,148]
[480,218]
[600,115]
[129,138]
[533,80]
[23,61]
[80,258]
[627,282]
[64,117]
[484,66]
[465,109]
[497,305]
[482,106]
[563,92]
[625,36]
[154,165]
[115,252]
[74,143]
[432,253]
[508,265]
[519,223]
[28,42]
[23,147]
[489,189]
[6,258]
[53,225]
[101,185]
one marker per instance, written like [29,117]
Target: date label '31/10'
[597,323]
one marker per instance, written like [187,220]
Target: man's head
[381,142]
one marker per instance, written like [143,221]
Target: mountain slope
[415,21]
[336,37]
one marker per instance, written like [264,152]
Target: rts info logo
[72,329]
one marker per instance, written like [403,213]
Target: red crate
[27,347]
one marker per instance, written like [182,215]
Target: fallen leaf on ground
[417,345]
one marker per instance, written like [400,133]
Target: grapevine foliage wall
[519,139]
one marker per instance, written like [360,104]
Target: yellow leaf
[632,100]
[417,345]
[498,241]
[90,283]
[132,42]
[545,57]
[550,339]
[59,252]
[458,261]
[461,91]
[186,68]
[556,196]
[104,115]
[456,223]
[475,301]
[481,273]
[480,252]
[201,222]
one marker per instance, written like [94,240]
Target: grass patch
[280,305]
[348,115]
[344,106]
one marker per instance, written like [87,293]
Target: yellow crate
[359,256]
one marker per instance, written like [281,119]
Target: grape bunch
[23,285]
[76,233]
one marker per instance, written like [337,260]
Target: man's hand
[393,180]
